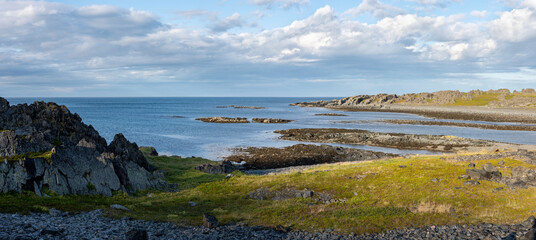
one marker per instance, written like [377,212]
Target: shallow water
[150,122]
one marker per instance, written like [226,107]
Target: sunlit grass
[389,196]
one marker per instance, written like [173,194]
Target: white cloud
[434,3]
[479,14]
[100,45]
[227,23]
[376,8]
[515,26]
[285,4]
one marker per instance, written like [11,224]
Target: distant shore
[453,112]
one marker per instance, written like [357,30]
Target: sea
[169,124]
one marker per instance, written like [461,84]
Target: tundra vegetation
[371,196]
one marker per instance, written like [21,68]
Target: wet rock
[223,120]
[300,155]
[382,139]
[271,120]
[210,221]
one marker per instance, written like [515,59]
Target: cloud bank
[50,49]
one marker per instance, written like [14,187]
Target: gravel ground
[92,225]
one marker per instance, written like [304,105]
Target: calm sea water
[151,122]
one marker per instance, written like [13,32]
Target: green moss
[90,186]
[47,155]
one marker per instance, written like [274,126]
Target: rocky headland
[379,139]
[45,146]
[493,105]
[299,155]
[223,120]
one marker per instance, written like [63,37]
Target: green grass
[181,170]
[478,100]
[388,197]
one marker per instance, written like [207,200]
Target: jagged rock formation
[43,145]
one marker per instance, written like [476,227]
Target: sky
[264,48]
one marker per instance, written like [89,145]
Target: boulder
[488,172]
[210,221]
[223,167]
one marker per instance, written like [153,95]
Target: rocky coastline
[45,147]
[494,105]
[438,143]
[462,124]
[300,155]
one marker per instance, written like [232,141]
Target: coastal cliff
[45,146]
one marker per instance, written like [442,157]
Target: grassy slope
[393,197]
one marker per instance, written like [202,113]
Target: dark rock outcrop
[43,145]
[382,139]
[488,172]
[223,167]
[299,155]
[210,221]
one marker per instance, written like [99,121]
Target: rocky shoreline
[507,107]
[462,124]
[300,155]
[93,225]
[43,146]
[389,140]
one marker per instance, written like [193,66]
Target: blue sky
[264,47]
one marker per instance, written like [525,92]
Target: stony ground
[92,225]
